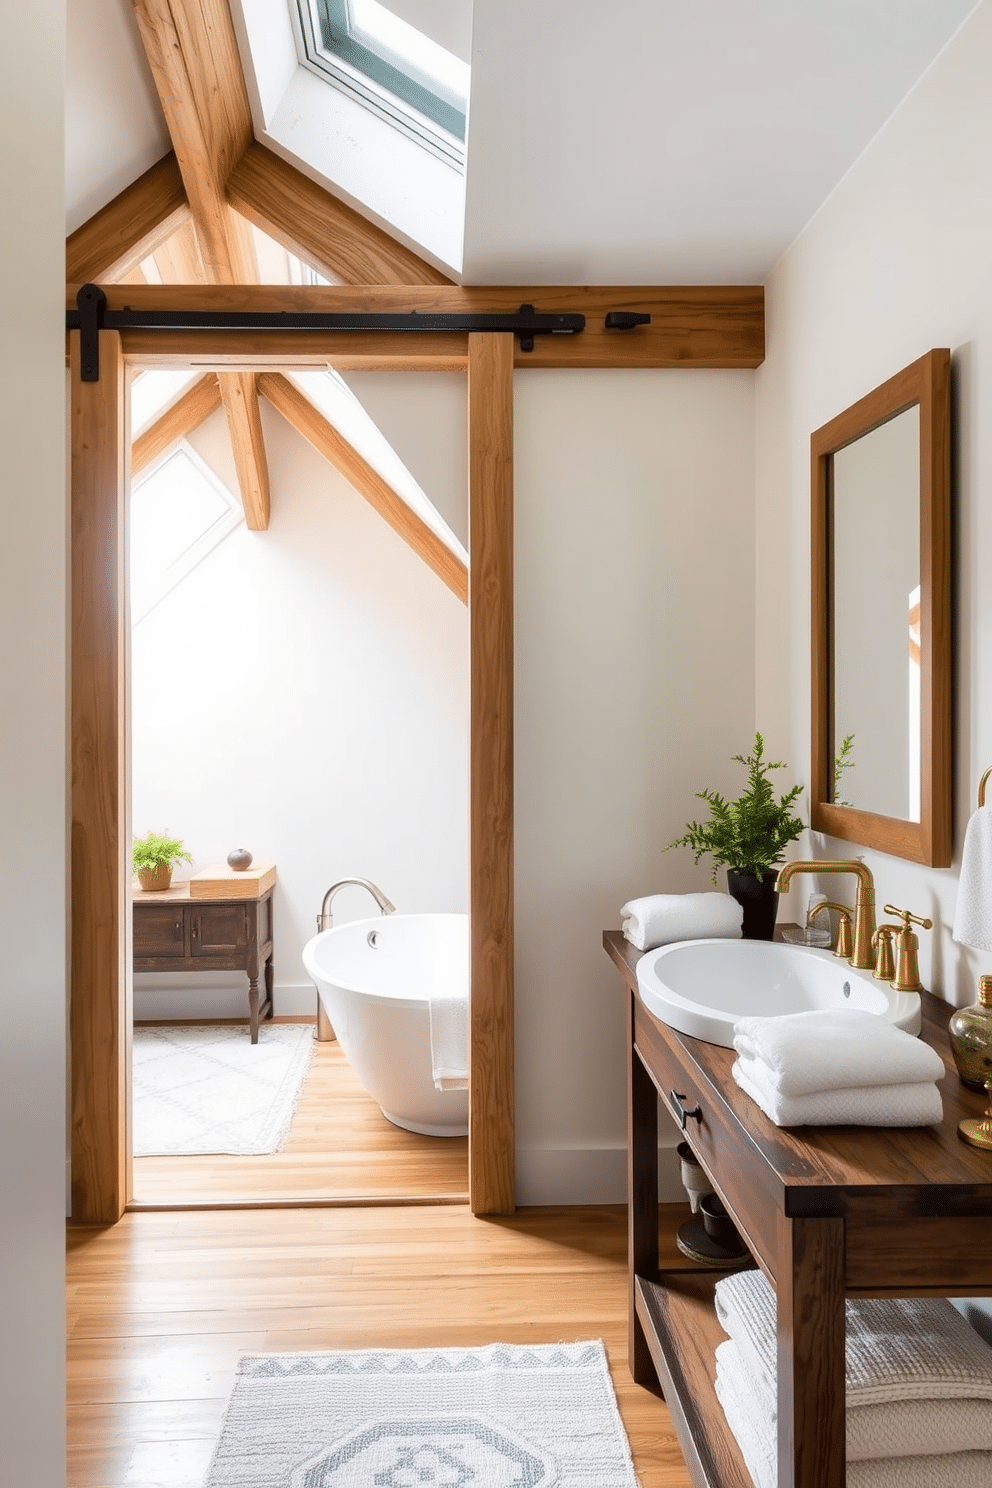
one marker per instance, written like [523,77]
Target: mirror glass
[874,536]
[881,702]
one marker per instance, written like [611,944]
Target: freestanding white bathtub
[374,978]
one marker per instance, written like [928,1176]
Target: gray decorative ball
[239,859]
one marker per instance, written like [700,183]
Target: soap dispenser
[970,1034]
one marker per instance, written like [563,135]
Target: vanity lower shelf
[682,1333]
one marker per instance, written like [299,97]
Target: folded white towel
[660,919]
[836,1049]
[449,1042]
[916,1104]
[973,912]
[752,1417]
[897,1348]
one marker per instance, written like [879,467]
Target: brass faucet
[863,955]
[843,947]
[907,974]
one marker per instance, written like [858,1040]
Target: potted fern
[748,837]
[153,858]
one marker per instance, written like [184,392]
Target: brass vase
[970,1034]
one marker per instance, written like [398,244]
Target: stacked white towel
[919,1389]
[661,919]
[837,1068]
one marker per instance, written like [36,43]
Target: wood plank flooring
[161,1305]
[340,1146]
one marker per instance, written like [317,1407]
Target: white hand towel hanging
[973,913]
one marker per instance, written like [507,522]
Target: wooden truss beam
[698,326]
[185,415]
[128,229]
[178,260]
[298,411]
[311,223]
[193,56]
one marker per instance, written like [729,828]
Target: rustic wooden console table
[827,1212]
[174,932]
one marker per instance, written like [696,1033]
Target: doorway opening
[299,693]
[101,1008]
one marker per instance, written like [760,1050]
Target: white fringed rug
[210,1089]
[504,1416]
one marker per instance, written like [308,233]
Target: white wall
[896,261]
[304,693]
[634,688]
[335,740]
[33,745]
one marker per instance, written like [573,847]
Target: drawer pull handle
[696,1114]
[177,930]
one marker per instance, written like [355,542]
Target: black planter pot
[758,899]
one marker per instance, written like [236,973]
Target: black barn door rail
[91,316]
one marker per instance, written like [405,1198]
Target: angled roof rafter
[128,229]
[309,221]
[185,415]
[300,413]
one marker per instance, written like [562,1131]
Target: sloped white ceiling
[114,128]
[674,141]
[644,141]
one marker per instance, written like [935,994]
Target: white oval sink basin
[702,987]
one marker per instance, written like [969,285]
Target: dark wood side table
[827,1213]
[174,932]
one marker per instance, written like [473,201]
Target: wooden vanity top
[893,1172]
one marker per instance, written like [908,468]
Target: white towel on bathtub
[449,1042]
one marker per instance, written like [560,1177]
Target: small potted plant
[748,837]
[154,856]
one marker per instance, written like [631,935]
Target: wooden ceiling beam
[301,414]
[193,56]
[239,393]
[115,240]
[308,221]
[178,260]
[185,415]
[694,326]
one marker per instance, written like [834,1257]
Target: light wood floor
[161,1305]
[339,1146]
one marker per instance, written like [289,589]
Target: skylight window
[179,512]
[367,51]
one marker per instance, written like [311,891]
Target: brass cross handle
[907,977]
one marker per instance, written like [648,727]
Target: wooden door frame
[100,982]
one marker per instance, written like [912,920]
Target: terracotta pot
[154,880]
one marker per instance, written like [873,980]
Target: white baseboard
[157,998]
[588,1175]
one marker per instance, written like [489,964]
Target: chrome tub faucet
[325,919]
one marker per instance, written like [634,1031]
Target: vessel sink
[702,987]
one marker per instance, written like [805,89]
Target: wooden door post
[491,1096]
[99,1011]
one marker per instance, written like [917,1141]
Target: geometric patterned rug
[210,1089]
[504,1416]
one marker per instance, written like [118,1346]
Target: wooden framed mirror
[881,618]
